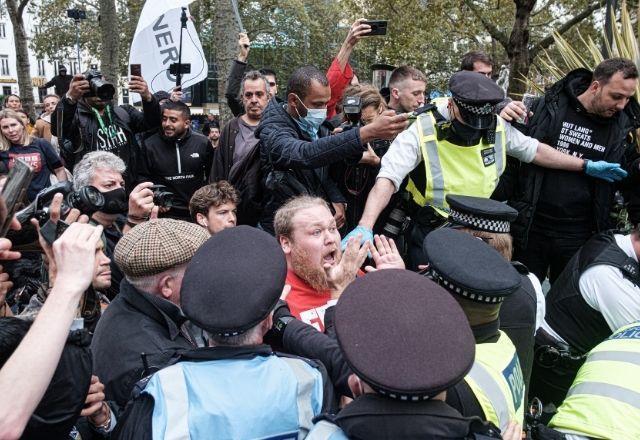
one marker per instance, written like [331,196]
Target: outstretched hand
[343,273]
[385,254]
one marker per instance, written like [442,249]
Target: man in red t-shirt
[318,271]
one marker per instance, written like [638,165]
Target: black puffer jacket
[77,128]
[521,183]
[294,165]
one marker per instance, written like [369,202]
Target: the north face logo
[195,155]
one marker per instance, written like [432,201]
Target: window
[3,30]
[4,65]
[41,70]
[6,90]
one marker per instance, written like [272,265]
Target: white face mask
[311,123]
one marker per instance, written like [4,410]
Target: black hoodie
[182,165]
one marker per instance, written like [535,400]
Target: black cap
[476,96]
[233,281]
[161,94]
[403,334]
[467,266]
[480,214]
[61,67]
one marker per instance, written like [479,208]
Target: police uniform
[457,158]
[473,271]
[408,346]
[597,292]
[522,312]
[230,391]
[604,400]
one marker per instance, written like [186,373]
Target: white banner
[157,41]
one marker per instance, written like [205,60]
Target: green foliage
[56,38]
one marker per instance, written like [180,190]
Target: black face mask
[115,201]
[468,135]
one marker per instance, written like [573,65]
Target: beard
[313,274]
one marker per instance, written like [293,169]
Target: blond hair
[26,139]
[283,220]
[500,241]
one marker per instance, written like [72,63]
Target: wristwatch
[282,323]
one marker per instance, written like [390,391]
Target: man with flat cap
[404,353]
[465,155]
[145,317]
[480,279]
[237,387]
[522,312]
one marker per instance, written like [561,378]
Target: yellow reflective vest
[454,169]
[604,400]
[497,382]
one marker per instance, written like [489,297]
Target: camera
[396,223]
[352,109]
[87,200]
[76,14]
[163,197]
[98,86]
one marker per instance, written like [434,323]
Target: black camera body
[352,109]
[163,197]
[87,200]
[76,14]
[98,86]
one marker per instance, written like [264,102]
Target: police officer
[465,155]
[522,312]
[480,279]
[412,343]
[596,293]
[236,387]
[603,400]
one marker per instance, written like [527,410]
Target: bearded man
[317,270]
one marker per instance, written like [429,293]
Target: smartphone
[378,27]
[14,191]
[135,69]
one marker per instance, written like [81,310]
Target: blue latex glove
[605,170]
[367,235]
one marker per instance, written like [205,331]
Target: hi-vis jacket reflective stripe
[604,400]
[454,169]
[266,397]
[497,382]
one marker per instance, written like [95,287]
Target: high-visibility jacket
[497,382]
[604,400]
[265,397]
[454,169]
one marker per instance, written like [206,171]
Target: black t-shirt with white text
[566,198]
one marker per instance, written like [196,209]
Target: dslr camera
[163,197]
[352,109]
[87,200]
[98,86]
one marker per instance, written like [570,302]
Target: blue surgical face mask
[312,122]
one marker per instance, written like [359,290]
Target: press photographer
[87,120]
[355,178]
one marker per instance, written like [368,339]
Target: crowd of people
[334,262]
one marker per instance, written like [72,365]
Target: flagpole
[183,25]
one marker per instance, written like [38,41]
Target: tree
[57,42]
[225,34]
[109,38]
[517,43]
[16,10]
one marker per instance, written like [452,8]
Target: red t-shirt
[306,303]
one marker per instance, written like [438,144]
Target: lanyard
[110,131]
